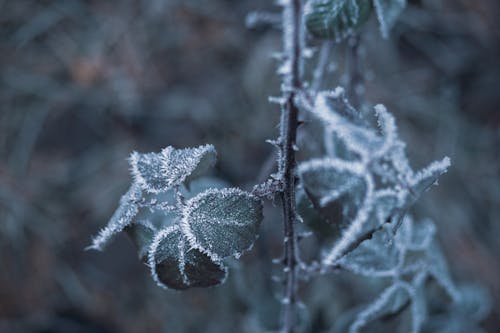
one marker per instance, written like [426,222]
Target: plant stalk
[287,162]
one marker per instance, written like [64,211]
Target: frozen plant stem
[287,163]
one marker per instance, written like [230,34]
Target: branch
[287,163]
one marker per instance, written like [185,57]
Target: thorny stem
[287,162]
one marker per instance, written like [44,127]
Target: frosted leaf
[439,271]
[158,209]
[121,218]
[355,230]
[335,19]
[387,125]
[377,256]
[160,172]
[321,225]
[475,303]
[222,222]
[201,184]
[388,12]
[359,139]
[183,165]
[329,178]
[141,233]
[465,315]
[334,186]
[418,309]
[147,172]
[386,204]
[175,264]
[390,301]
[428,176]
[416,236]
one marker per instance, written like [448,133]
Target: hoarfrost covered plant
[185,225]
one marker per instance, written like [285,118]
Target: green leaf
[335,18]
[222,222]
[175,264]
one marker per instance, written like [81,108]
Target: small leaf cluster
[337,19]
[366,182]
[365,176]
[183,225]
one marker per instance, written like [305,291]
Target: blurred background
[84,83]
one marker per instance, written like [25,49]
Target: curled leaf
[222,222]
[175,264]
[121,218]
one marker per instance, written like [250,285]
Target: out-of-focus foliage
[83,83]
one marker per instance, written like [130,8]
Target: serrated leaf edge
[192,204]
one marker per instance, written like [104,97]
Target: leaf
[428,176]
[335,187]
[141,234]
[390,301]
[377,256]
[160,172]
[222,222]
[439,271]
[186,164]
[386,204]
[121,218]
[176,265]
[315,221]
[335,18]
[416,236]
[388,12]
[358,138]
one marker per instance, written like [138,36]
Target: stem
[355,85]
[287,162]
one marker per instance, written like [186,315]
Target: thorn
[278,261]
[277,143]
[278,55]
[276,100]
[304,235]
[277,279]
